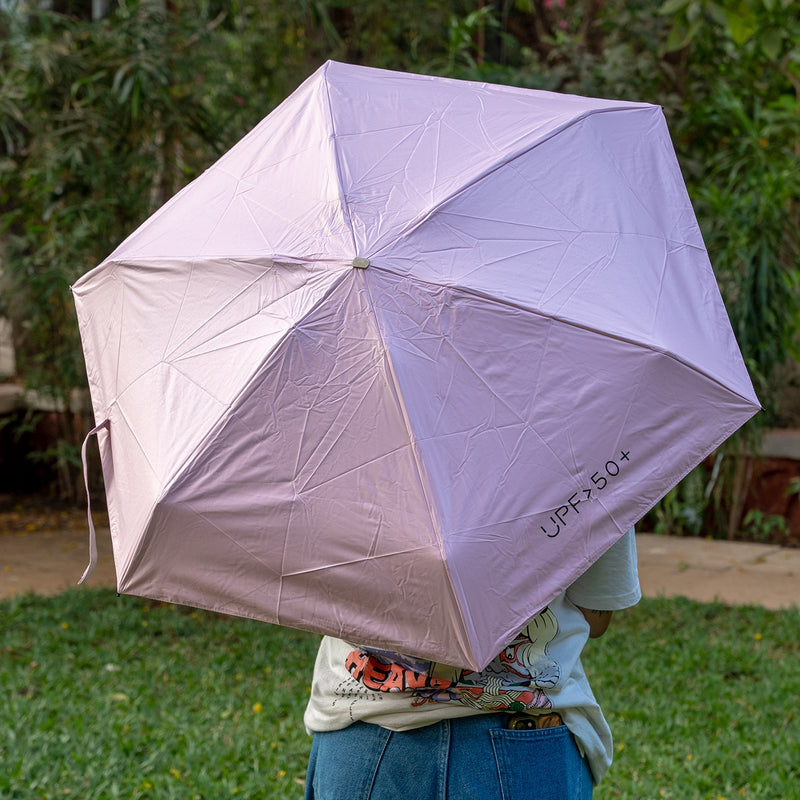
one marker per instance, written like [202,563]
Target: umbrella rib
[467,244]
[178,313]
[123,306]
[422,475]
[214,428]
[175,359]
[233,299]
[518,223]
[348,562]
[394,385]
[308,486]
[576,230]
[338,166]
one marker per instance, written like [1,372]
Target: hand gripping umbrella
[406,360]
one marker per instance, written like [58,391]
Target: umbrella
[406,360]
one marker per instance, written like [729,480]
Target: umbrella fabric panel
[542,441]
[165,374]
[406,143]
[226,329]
[592,226]
[311,474]
[282,199]
[180,332]
[135,315]
[374,600]
[131,486]
[389,603]
[185,556]
[98,322]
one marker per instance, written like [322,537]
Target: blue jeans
[472,758]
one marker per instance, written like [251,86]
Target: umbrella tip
[360,263]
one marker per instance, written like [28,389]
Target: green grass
[118,697]
[110,697]
[702,700]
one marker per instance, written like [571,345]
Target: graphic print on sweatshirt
[516,680]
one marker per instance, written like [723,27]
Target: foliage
[763,527]
[742,158]
[686,506]
[118,697]
[738,69]
[101,122]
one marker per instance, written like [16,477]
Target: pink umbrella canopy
[406,360]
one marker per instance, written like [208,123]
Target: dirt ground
[46,551]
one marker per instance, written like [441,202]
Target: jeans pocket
[344,763]
[542,764]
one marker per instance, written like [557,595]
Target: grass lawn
[109,697]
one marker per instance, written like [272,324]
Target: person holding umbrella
[304,366]
[526,726]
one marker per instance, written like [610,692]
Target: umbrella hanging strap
[92,535]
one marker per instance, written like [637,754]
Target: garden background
[107,108]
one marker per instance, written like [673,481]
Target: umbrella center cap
[360,263]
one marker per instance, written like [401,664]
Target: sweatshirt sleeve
[612,582]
